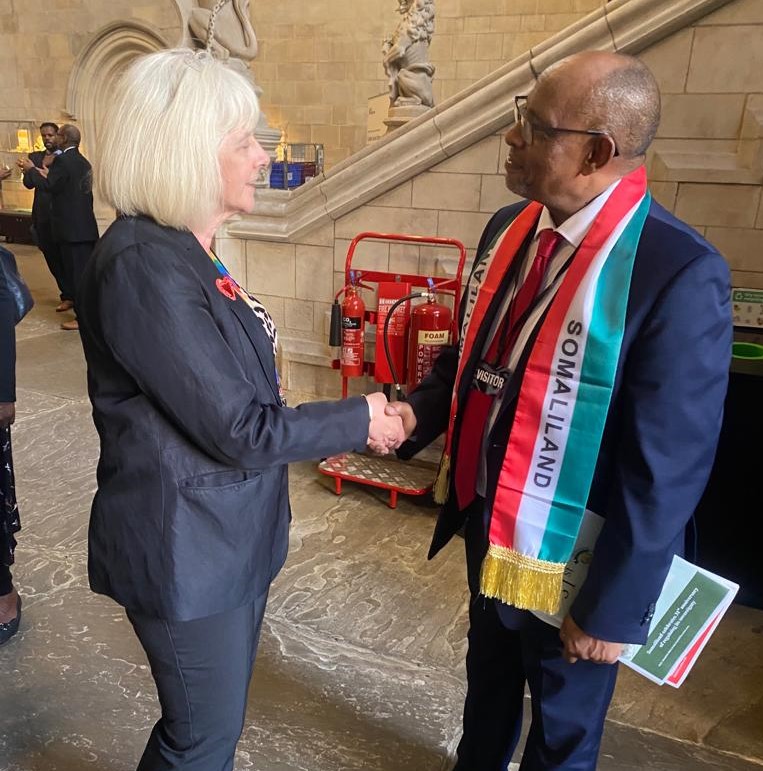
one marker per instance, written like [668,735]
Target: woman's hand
[7,414]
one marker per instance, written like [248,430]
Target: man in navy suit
[584,127]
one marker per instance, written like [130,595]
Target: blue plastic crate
[294,175]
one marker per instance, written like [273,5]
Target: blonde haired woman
[190,521]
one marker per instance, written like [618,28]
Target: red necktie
[478,404]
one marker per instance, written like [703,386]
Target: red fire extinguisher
[430,331]
[353,334]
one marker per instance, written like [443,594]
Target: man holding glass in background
[42,226]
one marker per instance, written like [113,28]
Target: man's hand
[7,414]
[578,645]
[25,164]
[405,411]
[385,432]
[4,173]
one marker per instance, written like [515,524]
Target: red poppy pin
[227,286]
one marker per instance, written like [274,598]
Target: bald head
[70,135]
[607,92]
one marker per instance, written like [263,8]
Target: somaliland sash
[564,398]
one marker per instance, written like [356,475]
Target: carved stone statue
[406,62]
[233,32]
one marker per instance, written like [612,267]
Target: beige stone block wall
[274,266]
[438,202]
[451,200]
[456,197]
[730,206]
[41,40]
[709,75]
[319,62]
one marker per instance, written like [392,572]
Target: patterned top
[231,289]
[259,309]
[267,320]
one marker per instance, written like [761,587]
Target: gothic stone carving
[406,59]
[233,33]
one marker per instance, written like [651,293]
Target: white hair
[160,140]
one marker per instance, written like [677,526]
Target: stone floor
[361,662]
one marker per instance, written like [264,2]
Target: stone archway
[95,71]
[98,66]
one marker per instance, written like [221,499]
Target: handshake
[391,423]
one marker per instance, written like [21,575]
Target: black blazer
[192,511]
[661,431]
[7,343]
[41,207]
[70,184]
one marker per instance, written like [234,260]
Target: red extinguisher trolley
[415,317]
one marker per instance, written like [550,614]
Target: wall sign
[747,307]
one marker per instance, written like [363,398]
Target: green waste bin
[747,351]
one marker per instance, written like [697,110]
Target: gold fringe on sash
[442,480]
[522,581]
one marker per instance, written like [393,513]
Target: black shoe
[8,630]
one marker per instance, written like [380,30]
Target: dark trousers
[569,702]
[75,257]
[6,580]
[202,670]
[51,251]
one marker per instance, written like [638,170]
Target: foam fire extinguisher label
[434,336]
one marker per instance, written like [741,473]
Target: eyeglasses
[528,127]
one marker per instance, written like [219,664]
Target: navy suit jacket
[661,431]
[191,514]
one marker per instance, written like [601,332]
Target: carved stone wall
[98,66]
[443,174]
[707,161]
[59,59]
[42,40]
[319,61]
